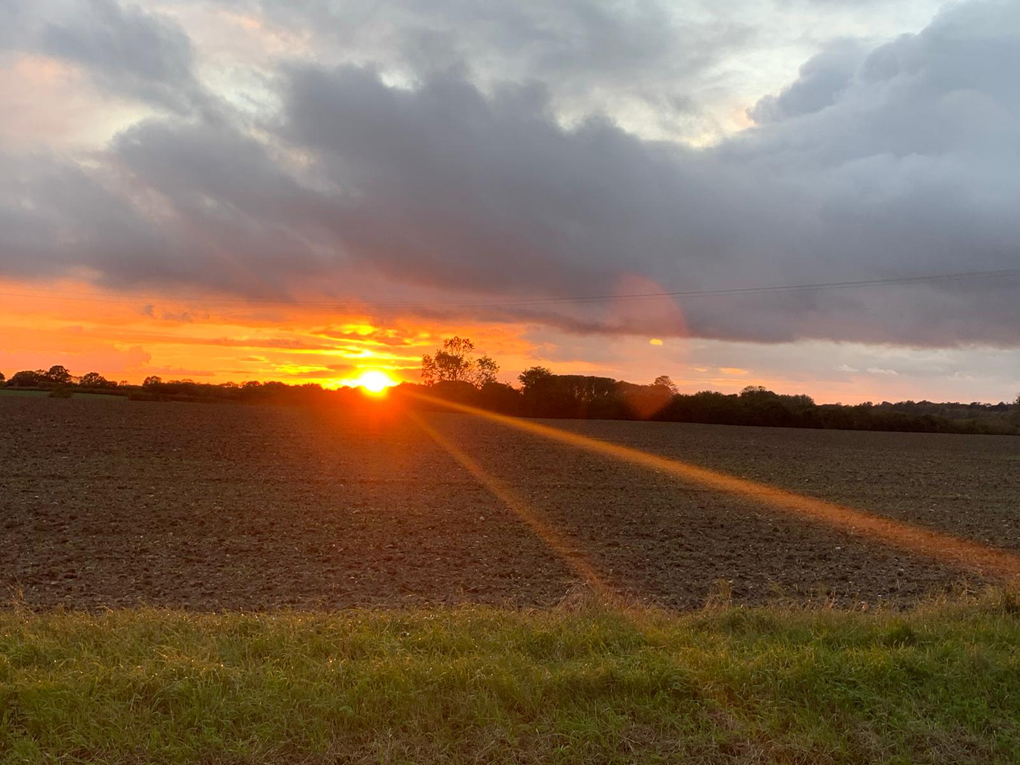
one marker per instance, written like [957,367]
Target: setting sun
[374,381]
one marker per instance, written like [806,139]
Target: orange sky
[219,340]
[263,154]
[127,338]
[131,338]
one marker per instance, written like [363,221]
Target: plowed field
[118,503]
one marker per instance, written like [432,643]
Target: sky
[304,190]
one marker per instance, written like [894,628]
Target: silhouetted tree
[95,380]
[27,379]
[485,372]
[152,382]
[460,391]
[500,397]
[665,381]
[534,376]
[274,389]
[549,395]
[59,374]
[645,402]
[538,392]
[454,363]
[2,378]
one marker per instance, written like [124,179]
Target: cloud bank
[443,186]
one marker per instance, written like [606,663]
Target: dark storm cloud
[445,186]
[897,161]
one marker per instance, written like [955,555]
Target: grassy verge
[587,684]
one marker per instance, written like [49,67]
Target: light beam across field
[943,547]
[559,542]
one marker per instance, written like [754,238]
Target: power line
[777,288]
[355,305]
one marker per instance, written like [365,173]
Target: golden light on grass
[374,381]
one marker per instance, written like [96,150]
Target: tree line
[455,373]
[56,377]
[60,382]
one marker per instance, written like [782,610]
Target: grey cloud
[131,52]
[127,51]
[57,217]
[454,188]
[647,55]
[948,90]
[445,186]
[174,204]
[822,80]
[898,161]
[20,24]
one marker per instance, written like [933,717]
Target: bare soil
[212,507]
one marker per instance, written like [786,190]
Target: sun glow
[374,381]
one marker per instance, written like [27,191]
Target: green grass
[587,684]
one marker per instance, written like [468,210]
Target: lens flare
[568,549]
[963,553]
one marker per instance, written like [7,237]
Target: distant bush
[96,381]
[27,379]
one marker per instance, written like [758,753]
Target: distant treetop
[665,381]
[454,362]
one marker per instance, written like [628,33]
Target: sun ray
[561,543]
[946,548]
